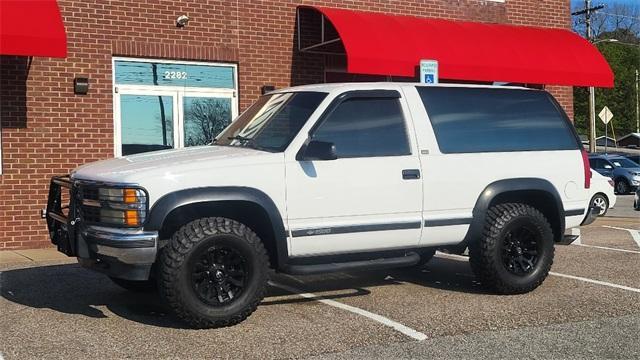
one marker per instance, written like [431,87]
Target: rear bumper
[592,215]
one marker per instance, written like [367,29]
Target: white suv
[335,177]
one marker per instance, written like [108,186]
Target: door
[360,201]
[165,104]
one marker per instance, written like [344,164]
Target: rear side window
[470,120]
[363,127]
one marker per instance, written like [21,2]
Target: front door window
[162,105]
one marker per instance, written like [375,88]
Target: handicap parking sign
[429,71]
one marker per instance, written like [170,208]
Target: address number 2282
[168,75]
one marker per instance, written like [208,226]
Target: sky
[598,2]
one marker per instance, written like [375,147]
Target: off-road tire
[486,253]
[139,286]
[190,242]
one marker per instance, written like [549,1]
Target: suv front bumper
[120,253]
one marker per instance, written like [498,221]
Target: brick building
[133,55]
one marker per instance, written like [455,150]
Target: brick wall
[47,130]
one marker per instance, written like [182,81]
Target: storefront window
[163,104]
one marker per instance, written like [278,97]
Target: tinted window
[366,127]
[623,162]
[488,120]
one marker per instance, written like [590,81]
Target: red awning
[377,43]
[32,28]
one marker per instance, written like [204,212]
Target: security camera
[182,21]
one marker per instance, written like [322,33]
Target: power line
[619,15]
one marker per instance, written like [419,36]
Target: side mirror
[319,150]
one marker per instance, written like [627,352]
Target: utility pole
[637,106]
[587,11]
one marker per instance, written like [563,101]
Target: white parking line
[375,317]
[635,234]
[604,283]
[592,281]
[607,248]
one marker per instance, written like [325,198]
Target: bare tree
[624,17]
[205,118]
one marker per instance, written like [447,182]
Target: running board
[410,259]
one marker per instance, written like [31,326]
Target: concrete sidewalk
[9,257]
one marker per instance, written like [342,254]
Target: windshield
[271,122]
[625,163]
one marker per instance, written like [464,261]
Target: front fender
[166,204]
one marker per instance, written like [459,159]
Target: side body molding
[166,204]
[514,186]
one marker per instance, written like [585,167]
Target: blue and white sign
[429,71]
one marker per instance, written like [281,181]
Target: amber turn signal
[130,196]
[131,218]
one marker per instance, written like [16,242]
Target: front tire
[213,272]
[516,250]
[622,187]
[602,202]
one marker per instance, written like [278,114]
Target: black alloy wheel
[219,275]
[520,250]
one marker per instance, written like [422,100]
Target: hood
[133,168]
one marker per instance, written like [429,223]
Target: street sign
[605,115]
[429,71]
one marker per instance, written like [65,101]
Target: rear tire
[213,272]
[516,250]
[139,286]
[601,201]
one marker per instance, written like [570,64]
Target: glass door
[204,115]
[147,121]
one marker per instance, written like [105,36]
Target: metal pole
[592,95]
[637,106]
[606,135]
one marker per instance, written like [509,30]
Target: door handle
[411,174]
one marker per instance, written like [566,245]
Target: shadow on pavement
[71,289]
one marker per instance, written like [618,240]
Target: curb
[10,257]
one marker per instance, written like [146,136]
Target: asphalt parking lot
[589,307]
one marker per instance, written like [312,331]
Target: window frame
[358,94]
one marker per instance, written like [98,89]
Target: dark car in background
[633,157]
[624,172]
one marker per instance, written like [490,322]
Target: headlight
[119,206]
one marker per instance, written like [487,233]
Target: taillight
[587,169]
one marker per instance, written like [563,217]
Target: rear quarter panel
[453,182]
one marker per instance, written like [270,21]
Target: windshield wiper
[245,141]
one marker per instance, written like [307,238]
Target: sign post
[429,71]
[605,115]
